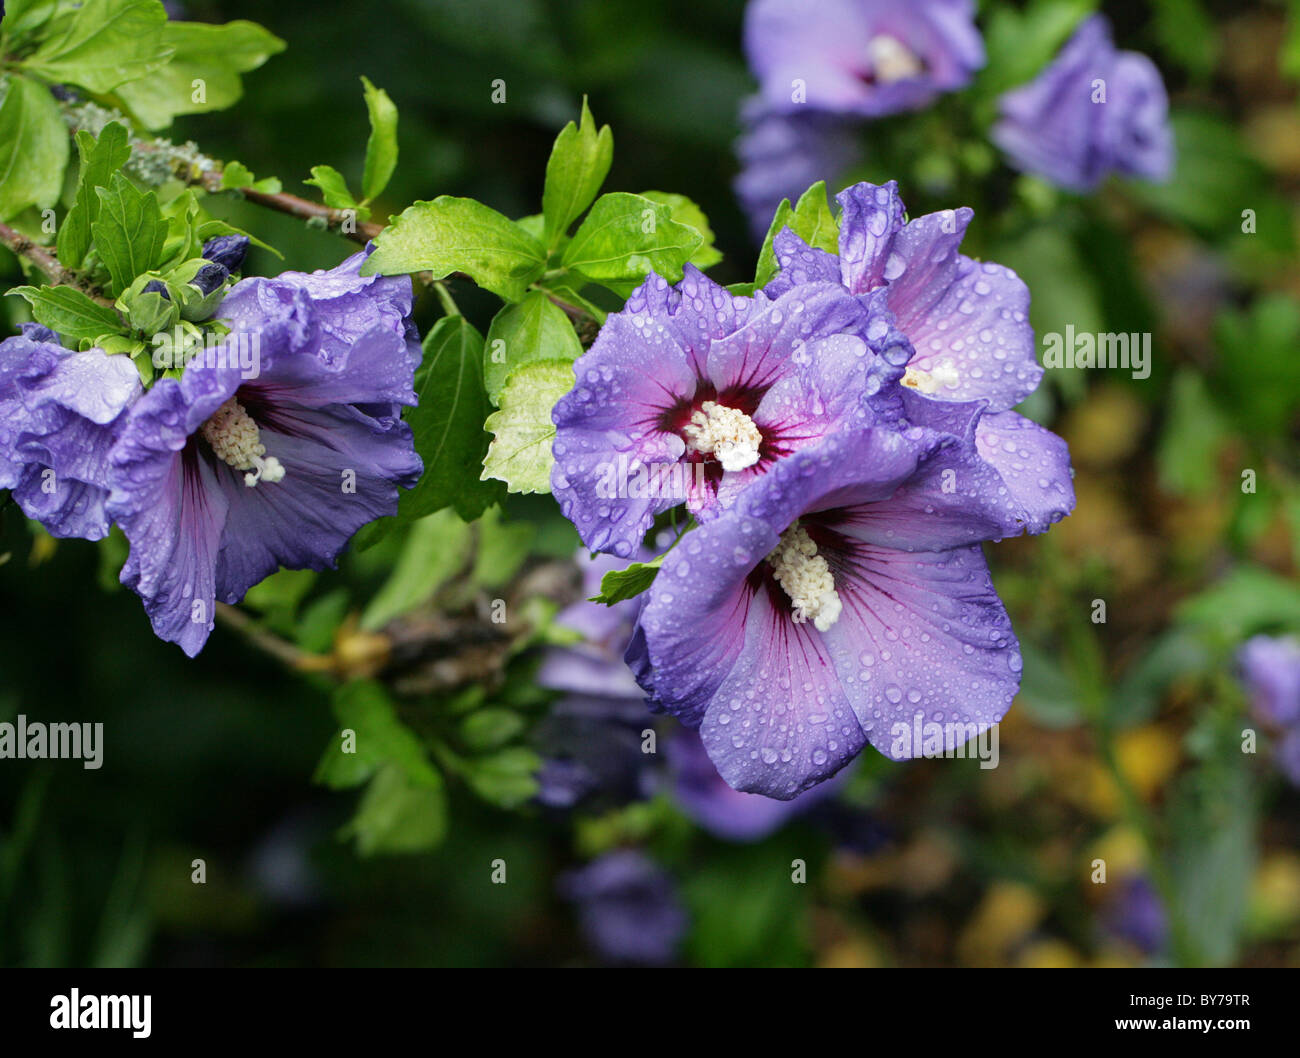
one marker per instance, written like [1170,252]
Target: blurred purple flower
[220,477]
[1136,915]
[726,813]
[1092,110]
[861,57]
[590,739]
[628,908]
[595,666]
[782,155]
[60,412]
[1270,668]
[1288,756]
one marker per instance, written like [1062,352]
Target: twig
[270,643]
[294,206]
[49,265]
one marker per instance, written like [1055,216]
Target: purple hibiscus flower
[1092,110]
[862,57]
[1270,667]
[224,475]
[782,155]
[726,813]
[971,344]
[690,392]
[842,599]
[628,908]
[967,321]
[60,412]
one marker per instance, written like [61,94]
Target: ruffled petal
[871,216]
[968,321]
[1033,462]
[799,264]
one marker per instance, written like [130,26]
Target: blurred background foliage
[1126,737]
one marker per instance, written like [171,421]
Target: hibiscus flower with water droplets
[843,595]
[689,393]
[221,477]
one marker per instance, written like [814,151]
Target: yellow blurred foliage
[1048,954]
[1147,756]
[1275,892]
[1008,912]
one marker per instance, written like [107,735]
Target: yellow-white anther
[943,376]
[892,60]
[235,439]
[806,578]
[727,434]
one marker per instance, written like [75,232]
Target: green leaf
[577,167]
[459,234]
[1020,43]
[69,312]
[502,548]
[533,329]
[320,620]
[1214,177]
[33,148]
[624,237]
[1248,600]
[1213,819]
[684,211]
[334,189]
[381,147]
[520,452]
[129,231]
[183,243]
[619,585]
[507,778]
[236,176]
[379,737]
[1047,693]
[397,815]
[486,729]
[100,159]
[203,73]
[23,16]
[448,425]
[102,44]
[1257,372]
[570,296]
[812,220]
[436,547]
[277,598]
[1193,433]
[1187,35]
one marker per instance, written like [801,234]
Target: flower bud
[227,251]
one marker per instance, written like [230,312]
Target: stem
[1086,654]
[270,643]
[48,264]
[294,206]
[449,305]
